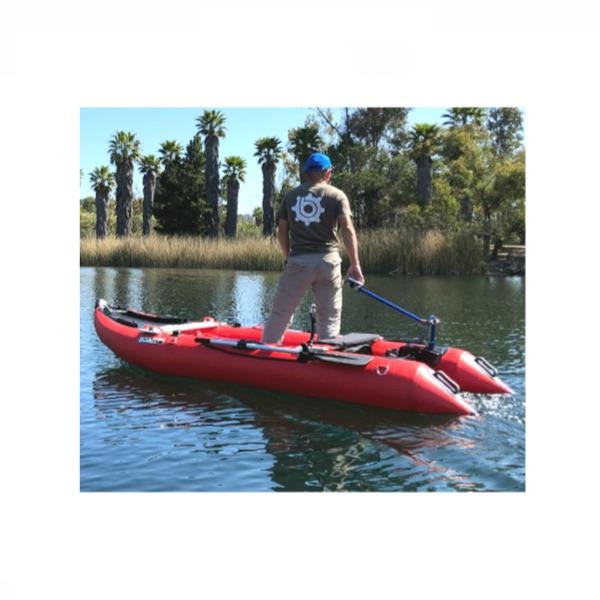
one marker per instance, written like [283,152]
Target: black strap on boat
[126,322]
[313,323]
[352,340]
[152,318]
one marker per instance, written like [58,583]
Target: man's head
[317,168]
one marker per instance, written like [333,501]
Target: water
[144,432]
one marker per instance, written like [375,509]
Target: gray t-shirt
[312,212]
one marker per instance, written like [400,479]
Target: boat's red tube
[473,374]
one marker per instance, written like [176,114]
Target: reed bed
[385,251]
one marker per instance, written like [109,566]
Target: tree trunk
[498,243]
[211,147]
[101,214]
[149,189]
[233,189]
[466,209]
[487,228]
[124,195]
[268,198]
[302,160]
[424,180]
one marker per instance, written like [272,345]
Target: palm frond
[268,150]
[211,123]
[124,148]
[150,164]
[102,179]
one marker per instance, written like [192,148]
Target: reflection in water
[305,443]
[249,298]
[141,431]
[122,289]
[100,285]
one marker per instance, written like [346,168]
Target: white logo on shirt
[308,209]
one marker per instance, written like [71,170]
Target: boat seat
[351,341]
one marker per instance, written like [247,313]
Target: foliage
[150,164]
[102,179]
[503,201]
[464,117]
[424,140]
[235,168]
[257,216]
[506,128]
[169,151]
[303,141]
[268,150]
[463,181]
[124,149]
[376,126]
[87,217]
[247,227]
[211,123]
[180,205]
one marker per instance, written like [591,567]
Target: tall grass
[381,251]
[413,252]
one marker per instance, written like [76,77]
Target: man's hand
[351,244]
[355,272]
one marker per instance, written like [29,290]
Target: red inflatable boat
[357,368]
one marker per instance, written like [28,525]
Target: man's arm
[283,237]
[351,243]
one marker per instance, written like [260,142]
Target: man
[309,218]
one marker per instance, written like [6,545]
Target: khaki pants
[323,274]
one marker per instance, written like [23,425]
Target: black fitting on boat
[486,366]
[242,345]
[306,354]
[313,324]
[417,352]
[447,382]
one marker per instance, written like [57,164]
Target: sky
[155,125]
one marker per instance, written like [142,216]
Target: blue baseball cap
[317,162]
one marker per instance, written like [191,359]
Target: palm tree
[268,150]
[150,167]
[303,141]
[462,117]
[169,151]
[102,181]
[124,152]
[212,125]
[424,144]
[235,171]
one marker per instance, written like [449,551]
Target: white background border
[56,542]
